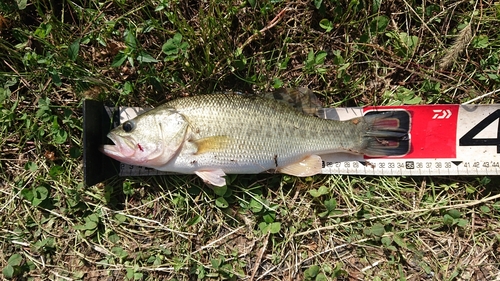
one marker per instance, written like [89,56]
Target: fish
[213,135]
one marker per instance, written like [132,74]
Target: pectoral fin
[214,177]
[311,165]
[209,144]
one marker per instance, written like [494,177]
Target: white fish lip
[116,151]
[109,149]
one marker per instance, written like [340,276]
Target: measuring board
[444,140]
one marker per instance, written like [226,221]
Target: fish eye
[128,126]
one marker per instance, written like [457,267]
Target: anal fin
[311,165]
[214,177]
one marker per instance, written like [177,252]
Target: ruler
[444,140]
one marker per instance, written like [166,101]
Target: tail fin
[388,133]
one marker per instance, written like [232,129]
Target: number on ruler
[469,140]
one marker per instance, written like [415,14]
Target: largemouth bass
[218,134]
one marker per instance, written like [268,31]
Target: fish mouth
[122,149]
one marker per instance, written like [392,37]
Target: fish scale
[270,129]
[212,135]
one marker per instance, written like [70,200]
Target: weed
[53,54]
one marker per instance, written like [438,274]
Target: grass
[54,54]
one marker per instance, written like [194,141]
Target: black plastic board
[96,124]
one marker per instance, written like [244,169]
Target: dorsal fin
[300,98]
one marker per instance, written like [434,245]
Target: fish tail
[387,133]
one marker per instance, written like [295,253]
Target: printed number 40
[469,140]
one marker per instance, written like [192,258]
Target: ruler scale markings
[445,140]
